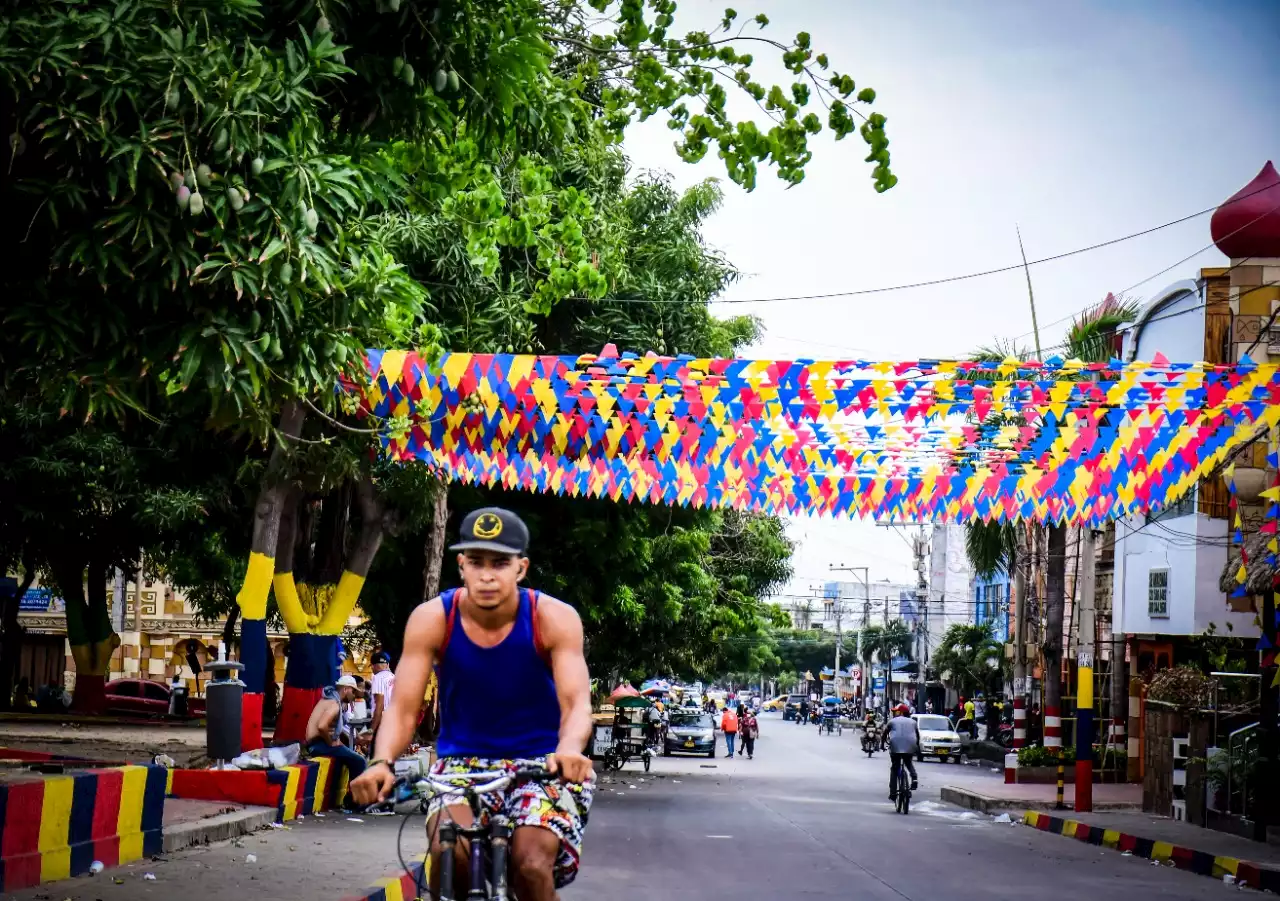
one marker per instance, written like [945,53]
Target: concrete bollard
[1010,769]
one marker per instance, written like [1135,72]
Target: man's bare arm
[379,708]
[422,638]
[561,629]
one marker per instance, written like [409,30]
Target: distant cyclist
[904,744]
[514,693]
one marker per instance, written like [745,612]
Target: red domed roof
[1248,223]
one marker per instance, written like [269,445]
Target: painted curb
[1246,872]
[398,888]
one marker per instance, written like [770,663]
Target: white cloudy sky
[1077,122]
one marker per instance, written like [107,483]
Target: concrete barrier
[55,826]
[293,791]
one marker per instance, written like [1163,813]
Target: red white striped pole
[1019,721]
[1052,727]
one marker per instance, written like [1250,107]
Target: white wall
[1191,547]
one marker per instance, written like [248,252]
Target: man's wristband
[380,762]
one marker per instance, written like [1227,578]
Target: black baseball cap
[493,529]
[380,657]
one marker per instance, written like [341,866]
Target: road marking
[719,836]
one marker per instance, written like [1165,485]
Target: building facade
[157,642]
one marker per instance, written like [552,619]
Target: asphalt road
[808,818]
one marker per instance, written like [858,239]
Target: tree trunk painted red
[90,696]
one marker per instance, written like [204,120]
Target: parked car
[142,697]
[938,738]
[690,733]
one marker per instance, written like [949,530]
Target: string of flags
[940,440]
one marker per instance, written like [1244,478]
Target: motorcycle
[874,737]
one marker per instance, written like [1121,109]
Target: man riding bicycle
[514,695]
[904,744]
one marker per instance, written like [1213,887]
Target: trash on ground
[354,820]
[251,858]
[150,877]
[1228,879]
[277,825]
[1003,818]
[165,761]
[96,867]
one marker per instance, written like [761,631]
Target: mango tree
[202,190]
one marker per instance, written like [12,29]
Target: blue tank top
[497,702]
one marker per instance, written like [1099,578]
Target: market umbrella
[628,701]
[624,690]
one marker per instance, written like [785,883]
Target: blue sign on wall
[877,683]
[37,600]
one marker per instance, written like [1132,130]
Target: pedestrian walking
[729,724]
[749,729]
[804,711]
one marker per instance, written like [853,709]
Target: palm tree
[1092,335]
[992,547]
[970,658]
[1091,339]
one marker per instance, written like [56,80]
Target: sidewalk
[983,789]
[105,741]
[1160,839]
[994,795]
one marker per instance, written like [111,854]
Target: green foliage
[216,207]
[1035,755]
[77,498]
[883,643]
[991,547]
[642,69]
[1092,333]
[970,659]
[800,651]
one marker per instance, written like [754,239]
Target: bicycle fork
[499,855]
[496,841]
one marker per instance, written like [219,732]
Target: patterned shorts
[558,806]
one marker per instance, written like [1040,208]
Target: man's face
[490,577]
[347,693]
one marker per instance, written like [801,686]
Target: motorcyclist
[904,744]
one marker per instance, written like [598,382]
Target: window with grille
[1158,593]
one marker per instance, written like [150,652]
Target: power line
[1185,259]
[862,292]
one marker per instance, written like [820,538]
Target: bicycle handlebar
[444,783]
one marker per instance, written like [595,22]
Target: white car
[937,738]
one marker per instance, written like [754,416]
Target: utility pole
[1084,689]
[1020,611]
[866,613]
[919,547]
[888,676]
